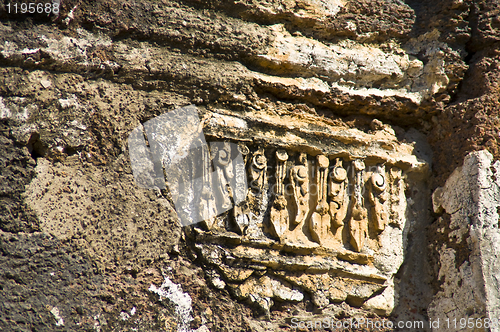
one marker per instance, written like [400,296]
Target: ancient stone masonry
[301,210]
[320,216]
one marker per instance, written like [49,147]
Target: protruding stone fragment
[261,291]
[235,274]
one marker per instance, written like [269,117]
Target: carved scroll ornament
[300,187]
[378,198]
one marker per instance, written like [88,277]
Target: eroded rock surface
[468,268]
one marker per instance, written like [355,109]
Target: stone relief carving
[320,219]
[241,210]
[396,194]
[257,172]
[310,219]
[324,210]
[300,186]
[221,157]
[318,204]
[358,225]
[378,198]
[208,210]
[324,217]
[257,192]
[279,212]
[338,198]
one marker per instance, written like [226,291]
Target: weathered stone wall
[468,264]
[408,88]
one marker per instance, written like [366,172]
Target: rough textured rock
[468,267]
[411,85]
[470,121]
[16,172]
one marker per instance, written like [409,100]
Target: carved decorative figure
[279,212]
[244,150]
[324,225]
[258,192]
[339,200]
[241,210]
[207,210]
[224,170]
[320,219]
[358,225]
[257,172]
[396,190]
[300,185]
[378,198]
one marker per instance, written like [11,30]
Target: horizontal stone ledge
[312,135]
[232,239]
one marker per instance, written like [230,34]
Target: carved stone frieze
[301,215]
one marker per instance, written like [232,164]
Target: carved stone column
[241,210]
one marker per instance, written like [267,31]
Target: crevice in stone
[458,95]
